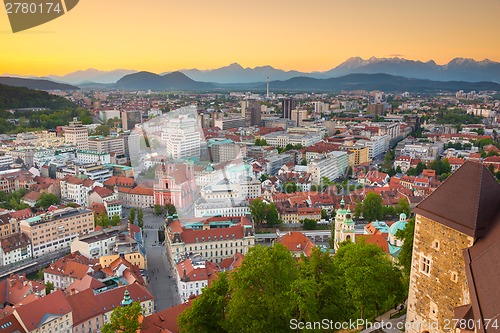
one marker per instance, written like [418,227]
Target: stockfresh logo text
[26,14]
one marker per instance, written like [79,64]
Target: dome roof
[399,225]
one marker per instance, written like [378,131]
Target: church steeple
[126,299]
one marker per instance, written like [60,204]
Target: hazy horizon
[160,36]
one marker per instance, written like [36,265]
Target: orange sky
[315,35]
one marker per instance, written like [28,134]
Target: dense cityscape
[117,197]
[249,167]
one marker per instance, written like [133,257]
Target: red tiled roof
[378,239]
[21,214]
[233,262]
[112,298]
[10,324]
[32,196]
[14,242]
[88,282]
[103,192]
[138,190]
[85,306]
[33,313]
[119,181]
[16,288]
[188,271]
[164,321]
[296,241]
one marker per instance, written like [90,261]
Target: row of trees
[169,209]
[372,209]
[271,287]
[140,217]
[104,221]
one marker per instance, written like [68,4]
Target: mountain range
[384,82]
[38,84]
[458,69]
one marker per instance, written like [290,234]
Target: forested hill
[59,111]
[19,97]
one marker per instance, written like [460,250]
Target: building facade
[56,230]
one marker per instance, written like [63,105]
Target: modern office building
[76,134]
[287,105]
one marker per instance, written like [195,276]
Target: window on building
[425,265]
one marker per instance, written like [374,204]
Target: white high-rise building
[182,137]
[76,134]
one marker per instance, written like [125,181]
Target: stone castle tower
[344,226]
[451,220]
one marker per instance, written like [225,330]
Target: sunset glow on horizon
[163,35]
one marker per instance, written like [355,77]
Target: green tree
[358,210]
[260,142]
[258,211]
[102,130]
[403,206]
[260,291]
[140,218]
[405,255]
[372,207]
[420,167]
[303,161]
[157,210]
[440,166]
[124,319]
[171,210]
[309,224]
[207,312]
[412,172]
[290,187]
[320,292]
[372,281]
[46,200]
[491,167]
[49,287]
[263,177]
[272,215]
[131,216]
[104,220]
[115,220]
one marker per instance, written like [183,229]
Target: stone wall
[434,295]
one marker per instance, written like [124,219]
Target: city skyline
[166,36]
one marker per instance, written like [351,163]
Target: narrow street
[161,285]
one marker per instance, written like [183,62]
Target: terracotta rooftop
[164,321]
[467,201]
[119,181]
[296,242]
[103,191]
[32,196]
[10,324]
[233,262]
[378,239]
[14,242]
[16,288]
[84,305]
[111,299]
[35,313]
